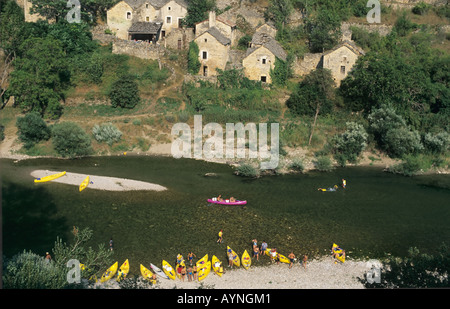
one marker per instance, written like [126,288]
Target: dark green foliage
[197,11]
[323,30]
[244,42]
[417,270]
[124,92]
[193,62]
[32,129]
[70,140]
[351,143]
[40,76]
[316,90]
[281,72]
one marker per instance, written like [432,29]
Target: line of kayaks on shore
[82,186]
[204,265]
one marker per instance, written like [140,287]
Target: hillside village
[236,35]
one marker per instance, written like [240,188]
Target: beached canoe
[204,271]
[236,260]
[217,265]
[168,270]
[201,262]
[158,271]
[246,260]
[49,177]
[110,272]
[84,184]
[123,270]
[339,253]
[147,274]
[227,202]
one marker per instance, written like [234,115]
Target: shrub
[32,129]
[70,140]
[323,164]
[193,62]
[247,170]
[124,92]
[107,133]
[438,143]
[352,142]
[421,8]
[297,165]
[402,141]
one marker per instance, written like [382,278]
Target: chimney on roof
[212,19]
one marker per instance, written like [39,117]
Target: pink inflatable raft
[226,202]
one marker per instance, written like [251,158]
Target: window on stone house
[263,60]
[342,69]
[147,18]
[168,20]
[146,5]
[204,55]
[263,78]
[169,8]
[128,15]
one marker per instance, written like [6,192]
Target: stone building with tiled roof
[146,20]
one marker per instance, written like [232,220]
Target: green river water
[377,213]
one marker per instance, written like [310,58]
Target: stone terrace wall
[139,49]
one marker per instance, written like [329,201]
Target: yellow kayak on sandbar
[109,273]
[246,260]
[49,177]
[123,271]
[84,184]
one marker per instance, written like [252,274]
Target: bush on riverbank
[70,140]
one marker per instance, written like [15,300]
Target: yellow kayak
[201,263]
[236,260]
[50,177]
[109,273]
[168,270]
[339,253]
[84,184]
[217,265]
[204,271]
[283,259]
[246,260]
[123,270]
[147,274]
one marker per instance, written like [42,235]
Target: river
[378,213]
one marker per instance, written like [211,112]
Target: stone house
[341,59]
[214,49]
[260,57]
[146,20]
[226,27]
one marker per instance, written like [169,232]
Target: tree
[124,92]
[313,94]
[50,9]
[323,30]
[282,71]
[40,76]
[70,140]
[279,11]
[197,11]
[32,129]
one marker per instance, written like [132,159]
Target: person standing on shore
[220,239]
[305,259]
[111,244]
[291,257]
[230,259]
[263,247]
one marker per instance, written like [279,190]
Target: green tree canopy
[124,92]
[70,140]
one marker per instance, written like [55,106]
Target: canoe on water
[109,273]
[49,177]
[123,270]
[84,184]
[158,271]
[246,260]
[236,260]
[216,265]
[224,202]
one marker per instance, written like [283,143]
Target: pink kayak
[224,202]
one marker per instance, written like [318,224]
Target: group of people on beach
[273,254]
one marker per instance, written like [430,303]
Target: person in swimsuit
[220,238]
[263,247]
[191,257]
[183,273]
[230,259]
[195,272]
[189,274]
[291,257]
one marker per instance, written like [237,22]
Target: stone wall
[117,20]
[139,49]
[308,63]
[216,54]
[179,38]
[258,64]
